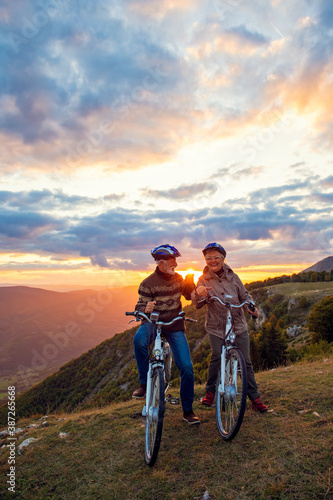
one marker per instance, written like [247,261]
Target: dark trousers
[243,344]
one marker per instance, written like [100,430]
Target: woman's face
[214,260]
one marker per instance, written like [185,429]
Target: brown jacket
[230,288]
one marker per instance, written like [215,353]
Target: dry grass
[285,454]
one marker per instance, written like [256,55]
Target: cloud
[46,200]
[85,83]
[123,237]
[24,227]
[183,192]
[100,261]
[118,86]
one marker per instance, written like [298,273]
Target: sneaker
[258,405]
[140,392]
[191,418]
[208,399]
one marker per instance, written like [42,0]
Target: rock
[25,443]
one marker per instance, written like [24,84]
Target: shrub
[320,320]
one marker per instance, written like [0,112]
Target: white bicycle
[158,383]
[231,385]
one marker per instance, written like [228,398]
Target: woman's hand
[253,312]
[202,291]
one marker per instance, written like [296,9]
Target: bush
[320,320]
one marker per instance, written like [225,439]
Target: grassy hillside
[316,291]
[285,454]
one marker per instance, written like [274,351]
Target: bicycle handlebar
[139,314]
[211,298]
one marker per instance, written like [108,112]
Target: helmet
[214,246]
[165,252]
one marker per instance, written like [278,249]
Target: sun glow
[197,274]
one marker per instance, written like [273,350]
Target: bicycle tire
[154,417]
[230,405]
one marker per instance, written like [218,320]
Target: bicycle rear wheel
[154,417]
[230,401]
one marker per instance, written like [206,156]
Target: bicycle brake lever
[252,307]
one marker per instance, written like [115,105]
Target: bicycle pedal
[173,400]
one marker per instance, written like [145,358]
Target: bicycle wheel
[154,417]
[230,401]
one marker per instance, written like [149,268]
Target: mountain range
[40,330]
[323,265]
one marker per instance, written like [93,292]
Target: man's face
[168,266]
[214,260]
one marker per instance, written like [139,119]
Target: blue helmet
[214,246]
[165,252]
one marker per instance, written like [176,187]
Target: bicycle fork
[156,361]
[223,366]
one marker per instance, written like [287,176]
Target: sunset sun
[197,274]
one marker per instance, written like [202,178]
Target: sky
[125,125]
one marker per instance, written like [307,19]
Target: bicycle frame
[229,343]
[156,360]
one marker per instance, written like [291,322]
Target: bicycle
[231,384]
[158,383]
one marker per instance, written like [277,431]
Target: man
[161,292]
[219,279]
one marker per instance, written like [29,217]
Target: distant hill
[323,265]
[41,330]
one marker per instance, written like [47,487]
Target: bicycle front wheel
[230,401]
[154,417]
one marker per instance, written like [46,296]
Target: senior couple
[161,292]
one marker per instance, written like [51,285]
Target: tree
[320,320]
[303,302]
[314,277]
[272,346]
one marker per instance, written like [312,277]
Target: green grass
[285,454]
[320,289]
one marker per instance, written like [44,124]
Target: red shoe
[258,405]
[208,399]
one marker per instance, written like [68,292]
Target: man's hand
[202,291]
[189,279]
[150,307]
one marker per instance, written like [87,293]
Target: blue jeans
[181,354]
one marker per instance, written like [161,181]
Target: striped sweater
[165,290]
